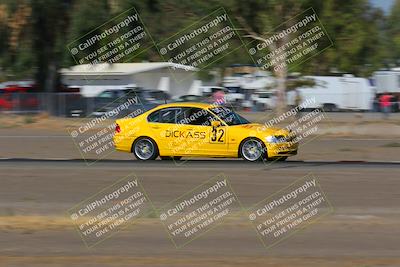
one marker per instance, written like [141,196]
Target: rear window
[167,115]
[154,117]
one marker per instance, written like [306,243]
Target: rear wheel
[144,148]
[252,149]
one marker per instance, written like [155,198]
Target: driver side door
[212,141]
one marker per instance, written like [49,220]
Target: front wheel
[145,148]
[252,149]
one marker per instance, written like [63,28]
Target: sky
[384,4]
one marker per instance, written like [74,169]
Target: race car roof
[188,104]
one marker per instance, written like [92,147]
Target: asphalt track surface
[220,162]
[363,230]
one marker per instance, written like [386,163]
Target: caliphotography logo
[95,137]
[118,40]
[290,44]
[285,133]
[201,44]
[110,210]
[199,210]
[287,211]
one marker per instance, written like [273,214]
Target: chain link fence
[75,105]
[59,104]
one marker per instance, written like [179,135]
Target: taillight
[117,129]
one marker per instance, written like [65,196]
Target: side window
[166,115]
[191,116]
[154,117]
[197,116]
[180,115]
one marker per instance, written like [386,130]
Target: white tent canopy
[195,88]
[163,84]
[165,76]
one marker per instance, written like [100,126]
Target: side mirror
[215,124]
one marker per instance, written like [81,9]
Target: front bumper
[282,149]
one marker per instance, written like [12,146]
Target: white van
[337,93]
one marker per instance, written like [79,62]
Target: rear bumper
[122,143]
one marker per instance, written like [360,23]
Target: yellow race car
[176,130]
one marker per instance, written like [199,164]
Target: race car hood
[262,129]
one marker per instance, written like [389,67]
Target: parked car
[143,99]
[14,97]
[263,100]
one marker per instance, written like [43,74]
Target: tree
[260,26]
[49,27]
[357,31]
[394,32]
[84,18]
[15,46]
[355,27]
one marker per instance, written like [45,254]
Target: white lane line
[214,161]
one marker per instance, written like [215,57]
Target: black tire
[139,152]
[259,154]
[170,158]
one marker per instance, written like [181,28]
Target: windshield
[228,116]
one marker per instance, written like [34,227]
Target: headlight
[272,139]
